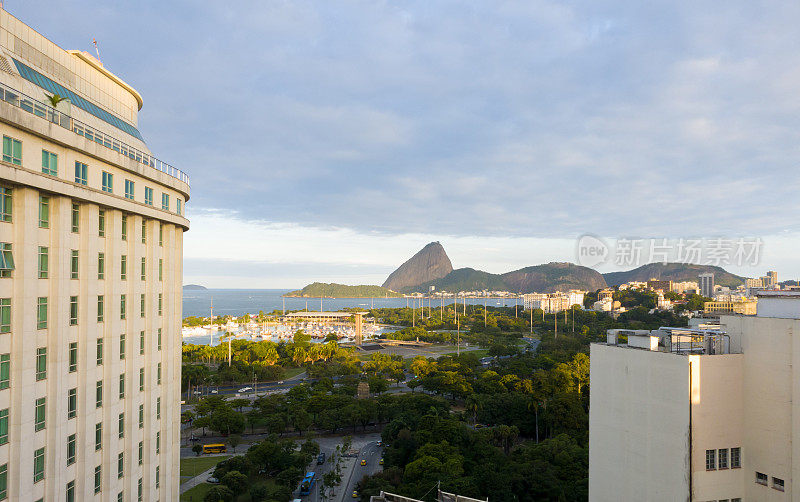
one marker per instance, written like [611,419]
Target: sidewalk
[200,478]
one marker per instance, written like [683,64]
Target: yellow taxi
[363,461]
[355,494]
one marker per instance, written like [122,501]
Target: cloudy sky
[330,140]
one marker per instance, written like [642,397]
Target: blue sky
[331,140]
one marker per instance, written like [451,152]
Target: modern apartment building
[706,282]
[91,237]
[699,414]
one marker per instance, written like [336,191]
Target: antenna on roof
[96,50]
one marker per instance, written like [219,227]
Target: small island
[333,290]
[194,287]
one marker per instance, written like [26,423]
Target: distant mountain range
[432,267]
[333,290]
[194,287]
[676,272]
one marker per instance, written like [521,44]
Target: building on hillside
[553,302]
[632,285]
[659,285]
[662,303]
[699,414]
[605,294]
[706,282]
[91,239]
[685,287]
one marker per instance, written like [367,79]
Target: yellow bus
[214,448]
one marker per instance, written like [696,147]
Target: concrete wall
[638,425]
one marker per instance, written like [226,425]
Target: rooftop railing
[47,112]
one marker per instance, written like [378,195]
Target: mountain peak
[430,263]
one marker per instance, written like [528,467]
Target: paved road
[371,454]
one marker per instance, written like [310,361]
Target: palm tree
[55,99]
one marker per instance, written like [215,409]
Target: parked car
[321,458]
[214,391]
[212,480]
[245,389]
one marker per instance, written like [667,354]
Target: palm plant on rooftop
[55,99]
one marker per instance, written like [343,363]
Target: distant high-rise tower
[91,257]
[773,278]
[706,281]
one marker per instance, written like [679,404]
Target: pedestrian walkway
[200,478]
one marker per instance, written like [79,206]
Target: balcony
[49,113]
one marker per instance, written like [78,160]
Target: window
[129,189]
[101,223]
[141,452]
[158,479]
[159,339]
[141,379]
[44,262]
[144,231]
[120,464]
[761,478]
[73,357]
[73,310]
[98,436]
[98,394]
[80,173]
[141,416]
[160,303]
[98,476]
[38,465]
[76,218]
[141,305]
[122,386]
[49,163]
[160,269]
[158,408]
[158,374]
[139,491]
[122,346]
[39,414]
[5,204]
[4,426]
[71,447]
[73,264]
[736,458]
[3,481]
[177,206]
[165,202]
[158,442]
[44,211]
[99,352]
[41,312]
[71,491]
[6,259]
[148,196]
[101,266]
[722,458]
[711,460]
[141,343]
[101,308]
[123,267]
[777,483]
[12,150]
[5,315]
[72,403]
[108,182]
[120,496]
[41,363]
[121,423]
[122,307]
[160,234]
[5,371]
[124,227]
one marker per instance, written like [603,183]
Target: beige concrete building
[91,237]
[744,307]
[699,415]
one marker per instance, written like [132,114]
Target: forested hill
[549,277]
[676,272]
[333,290]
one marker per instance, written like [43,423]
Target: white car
[245,389]
[214,391]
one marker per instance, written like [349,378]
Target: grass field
[191,467]
[196,494]
[292,372]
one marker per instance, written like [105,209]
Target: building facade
[706,283]
[699,414]
[91,239]
[553,302]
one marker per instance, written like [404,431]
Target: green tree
[236,481]
[234,440]
[219,493]
[197,448]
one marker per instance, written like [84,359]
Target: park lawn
[292,372]
[193,466]
[196,494]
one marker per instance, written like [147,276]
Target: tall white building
[91,238]
[706,282]
[680,414]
